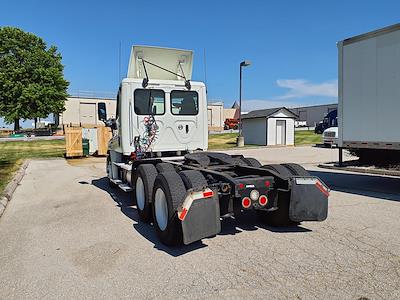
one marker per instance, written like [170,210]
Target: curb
[361,170]
[5,197]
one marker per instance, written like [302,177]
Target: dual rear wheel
[159,191]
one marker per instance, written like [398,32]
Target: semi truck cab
[330,120]
[158,153]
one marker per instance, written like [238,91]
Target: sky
[291,44]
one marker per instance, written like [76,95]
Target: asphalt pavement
[66,234]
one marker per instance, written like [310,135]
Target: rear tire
[296,169]
[252,162]
[279,217]
[168,193]
[165,167]
[145,176]
[193,179]
[281,170]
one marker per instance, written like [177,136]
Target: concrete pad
[66,234]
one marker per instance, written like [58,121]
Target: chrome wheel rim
[139,190]
[161,209]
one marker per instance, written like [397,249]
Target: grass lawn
[228,140]
[307,137]
[222,141]
[12,154]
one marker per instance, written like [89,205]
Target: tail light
[246,202]
[263,200]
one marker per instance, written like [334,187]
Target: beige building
[231,113]
[82,111]
[216,116]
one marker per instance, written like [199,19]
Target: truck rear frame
[212,186]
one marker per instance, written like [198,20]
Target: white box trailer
[369,90]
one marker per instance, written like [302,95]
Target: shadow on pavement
[230,226]
[125,201]
[248,221]
[386,188]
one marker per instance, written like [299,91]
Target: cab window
[184,103]
[149,101]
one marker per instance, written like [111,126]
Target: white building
[84,111]
[269,127]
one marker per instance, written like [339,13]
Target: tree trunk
[36,120]
[16,125]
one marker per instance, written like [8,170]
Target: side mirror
[112,123]
[102,111]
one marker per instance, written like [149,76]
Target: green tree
[32,84]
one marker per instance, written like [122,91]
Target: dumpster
[85,147]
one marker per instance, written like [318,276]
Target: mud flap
[202,220]
[309,199]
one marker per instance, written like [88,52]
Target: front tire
[169,192]
[109,173]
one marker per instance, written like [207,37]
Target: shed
[269,127]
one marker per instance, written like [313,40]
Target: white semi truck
[159,153]
[369,93]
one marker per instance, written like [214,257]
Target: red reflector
[246,202]
[263,200]
[182,215]
[208,194]
[322,188]
[267,184]
[241,186]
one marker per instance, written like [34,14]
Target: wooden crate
[103,137]
[73,141]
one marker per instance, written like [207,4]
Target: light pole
[240,139]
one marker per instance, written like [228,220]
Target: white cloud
[298,89]
[303,88]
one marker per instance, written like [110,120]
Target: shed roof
[265,113]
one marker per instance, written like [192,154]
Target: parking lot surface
[66,234]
